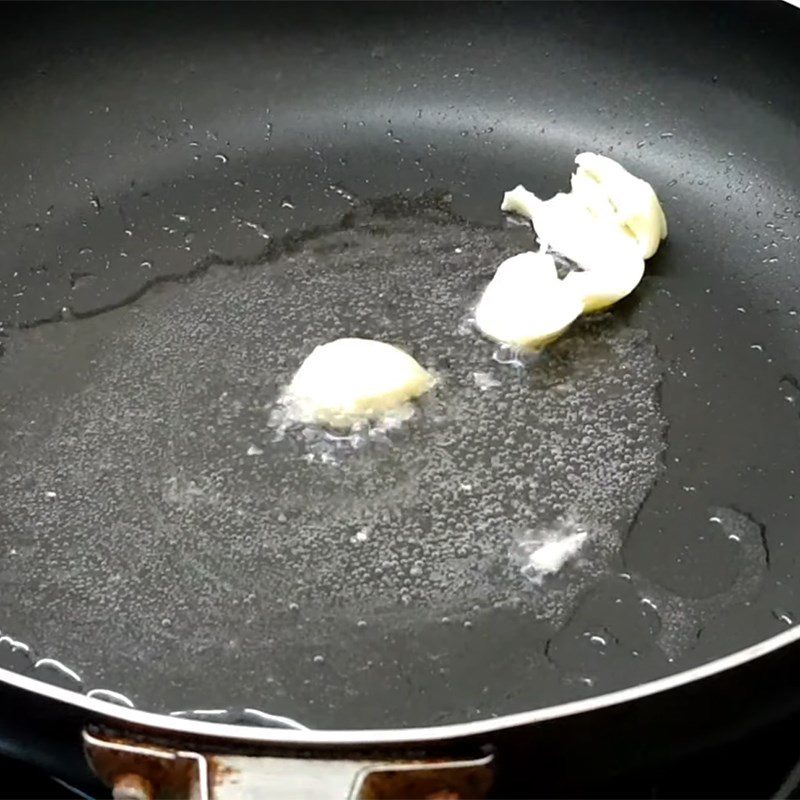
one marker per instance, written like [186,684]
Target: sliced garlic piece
[525,304]
[609,255]
[349,380]
[610,192]
[565,225]
[601,288]
[529,268]
[611,263]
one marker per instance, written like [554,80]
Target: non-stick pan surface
[194,198]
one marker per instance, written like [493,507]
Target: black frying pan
[193,198]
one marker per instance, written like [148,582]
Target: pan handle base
[136,770]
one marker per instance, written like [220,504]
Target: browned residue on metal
[142,771]
[166,775]
[219,772]
[428,782]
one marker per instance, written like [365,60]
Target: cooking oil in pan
[173,498]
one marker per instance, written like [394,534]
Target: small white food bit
[484,381]
[526,305]
[547,557]
[520,201]
[348,381]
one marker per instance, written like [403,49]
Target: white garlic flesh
[525,304]
[607,225]
[610,260]
[612,193]
[599,289]
[351,380]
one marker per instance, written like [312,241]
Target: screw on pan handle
[139,771]
[130,786]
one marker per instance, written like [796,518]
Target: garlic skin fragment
[351,380]
[525,304]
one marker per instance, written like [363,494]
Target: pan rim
[166,724]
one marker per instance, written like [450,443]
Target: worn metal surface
[139,771]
